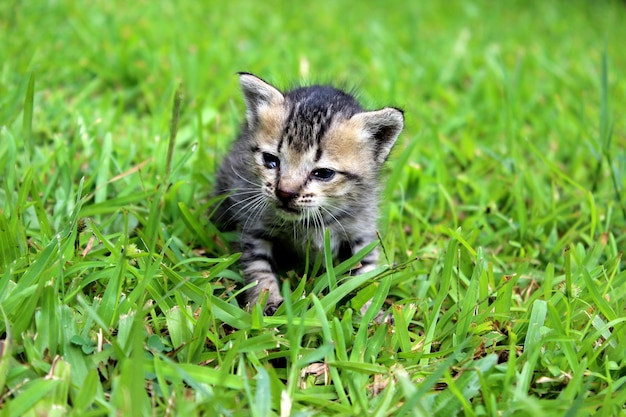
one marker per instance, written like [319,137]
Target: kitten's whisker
[308,218]
[257,207]
[246,200]
[294,226]
[244,178]
[243,198]
[233,217]
[322,223]
[338,222]
[310,221]
[250,203]
[260,209]
[233,192]
[340,210]
[317,223]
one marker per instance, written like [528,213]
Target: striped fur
[305,160]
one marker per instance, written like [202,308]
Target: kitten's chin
[289,213]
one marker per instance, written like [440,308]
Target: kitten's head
[315,149]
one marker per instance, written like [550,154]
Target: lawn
[503,223]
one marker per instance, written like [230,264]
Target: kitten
[305,160]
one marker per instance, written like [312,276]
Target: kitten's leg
[367,264]
[257,264]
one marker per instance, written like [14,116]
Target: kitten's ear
[382,127]
[257,94]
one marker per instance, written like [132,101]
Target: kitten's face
[316,153]
[324,177]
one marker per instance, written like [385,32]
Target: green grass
[504,219]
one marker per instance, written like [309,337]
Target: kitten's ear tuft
[257,94]
[382,127]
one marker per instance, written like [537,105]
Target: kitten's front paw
[274,300]
[271,307]
[382,316]
[265,293]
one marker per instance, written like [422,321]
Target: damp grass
[502,226]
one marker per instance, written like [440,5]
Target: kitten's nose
[285,196]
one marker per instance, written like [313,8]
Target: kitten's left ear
[257,94]
[382,127]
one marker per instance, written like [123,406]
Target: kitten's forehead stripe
[318,154]
[312,112]
[280,145]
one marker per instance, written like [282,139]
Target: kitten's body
[305,160]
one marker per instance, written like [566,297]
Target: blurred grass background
[506,186]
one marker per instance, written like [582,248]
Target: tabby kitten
[306,160]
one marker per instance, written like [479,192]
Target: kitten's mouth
[288,212]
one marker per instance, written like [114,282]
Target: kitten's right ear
[381,128]
[257,94]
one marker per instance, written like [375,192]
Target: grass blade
[27,118]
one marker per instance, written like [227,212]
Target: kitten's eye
[270,161]
[323,174]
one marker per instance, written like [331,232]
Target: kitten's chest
[303,239]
